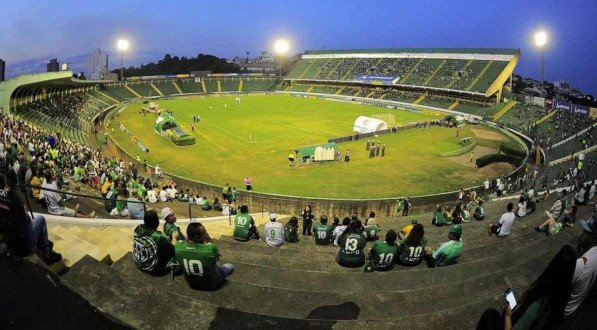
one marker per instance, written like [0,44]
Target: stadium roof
[487,51]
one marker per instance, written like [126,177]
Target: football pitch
[255,138]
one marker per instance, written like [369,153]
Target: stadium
[397,137]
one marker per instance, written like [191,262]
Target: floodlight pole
[542,73]
[122,65]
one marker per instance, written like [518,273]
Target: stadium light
[281,47]
[540,41]
[123,46]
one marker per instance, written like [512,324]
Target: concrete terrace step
[373,305]
[147,307]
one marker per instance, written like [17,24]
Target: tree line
[181,65]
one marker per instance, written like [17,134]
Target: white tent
[365,124]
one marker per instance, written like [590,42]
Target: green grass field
[256,137]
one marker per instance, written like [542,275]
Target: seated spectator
[198,257]
[411,249]
[217,206]
[323,231]
[183,196]
[543,305]
[502,228]
[205,204]
[521,209]
[172,192]
[371,228]
[588,236]
[447,253]
[352,245]
[23,235]
[106,186]
[579,199]
[273,231]
[438,217]
[170,229]
[120,208]
[244,226]
[550,226]
[291,230]
[383,253]
[340,229]
[55,201]
[163,194]
[406,230]
[472,197]
[448,215]
[152,196]
[457,214]
[158,172]
[152,250]
[583,280]
[335,223]
[135,206]
[558,208]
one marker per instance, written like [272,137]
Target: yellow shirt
[106,187]
[406,230]
[35,191]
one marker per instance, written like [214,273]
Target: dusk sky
[40,30]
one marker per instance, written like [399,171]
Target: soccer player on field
[152,249]
[323,231]
[244,226]
[411,250]
[273,231]
[198,257]
[383,253]
[352,245]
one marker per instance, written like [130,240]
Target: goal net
[389,118]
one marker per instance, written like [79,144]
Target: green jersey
[170,228]
[479,213]
[290,234]
[352,249]
[323,233]
[151,250]
[383,255]
[199,264]
[142,192]
[242,224]
[448,253]
[372,232]
[411,255]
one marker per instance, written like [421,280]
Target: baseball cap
[166,211]
[414,221]
[456,229]
[273,216]
[589,225]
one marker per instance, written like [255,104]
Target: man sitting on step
[152,249]
[22,235]
[244,226]
[273,231]
[447,253]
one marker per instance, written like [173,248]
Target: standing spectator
[411,249]
[170,229]
[248,183]
[502,228]
[291,159]
[291,230]
[152,249]
[307,216]
[244,226]
[447,253]
[273,231]
[383,253]
[198,257]
[406,206]
[323,231]
[158,172]
[340,229]
[383,150]
[347,156]
[352,246]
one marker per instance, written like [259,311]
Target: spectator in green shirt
[170,229]
[152,249]
[447,253]
[291,230]
[323,231]
[383,253]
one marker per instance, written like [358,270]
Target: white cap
[166,211]
[273,216]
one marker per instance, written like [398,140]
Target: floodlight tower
[540,41]
[281,48]
[123,46]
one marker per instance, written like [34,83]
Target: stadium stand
[167,87]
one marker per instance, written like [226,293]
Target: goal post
[389,118]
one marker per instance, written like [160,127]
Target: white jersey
[152,197]
[274,233]
[585,275]
[506,221]
[337,232]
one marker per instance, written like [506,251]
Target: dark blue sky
[44,29]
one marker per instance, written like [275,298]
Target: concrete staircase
[132,91]
[300,285]
[156,89]
[177,87]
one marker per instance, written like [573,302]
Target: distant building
[97,66]
[53,65]
[2,69]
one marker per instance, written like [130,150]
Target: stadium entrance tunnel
[167,126]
